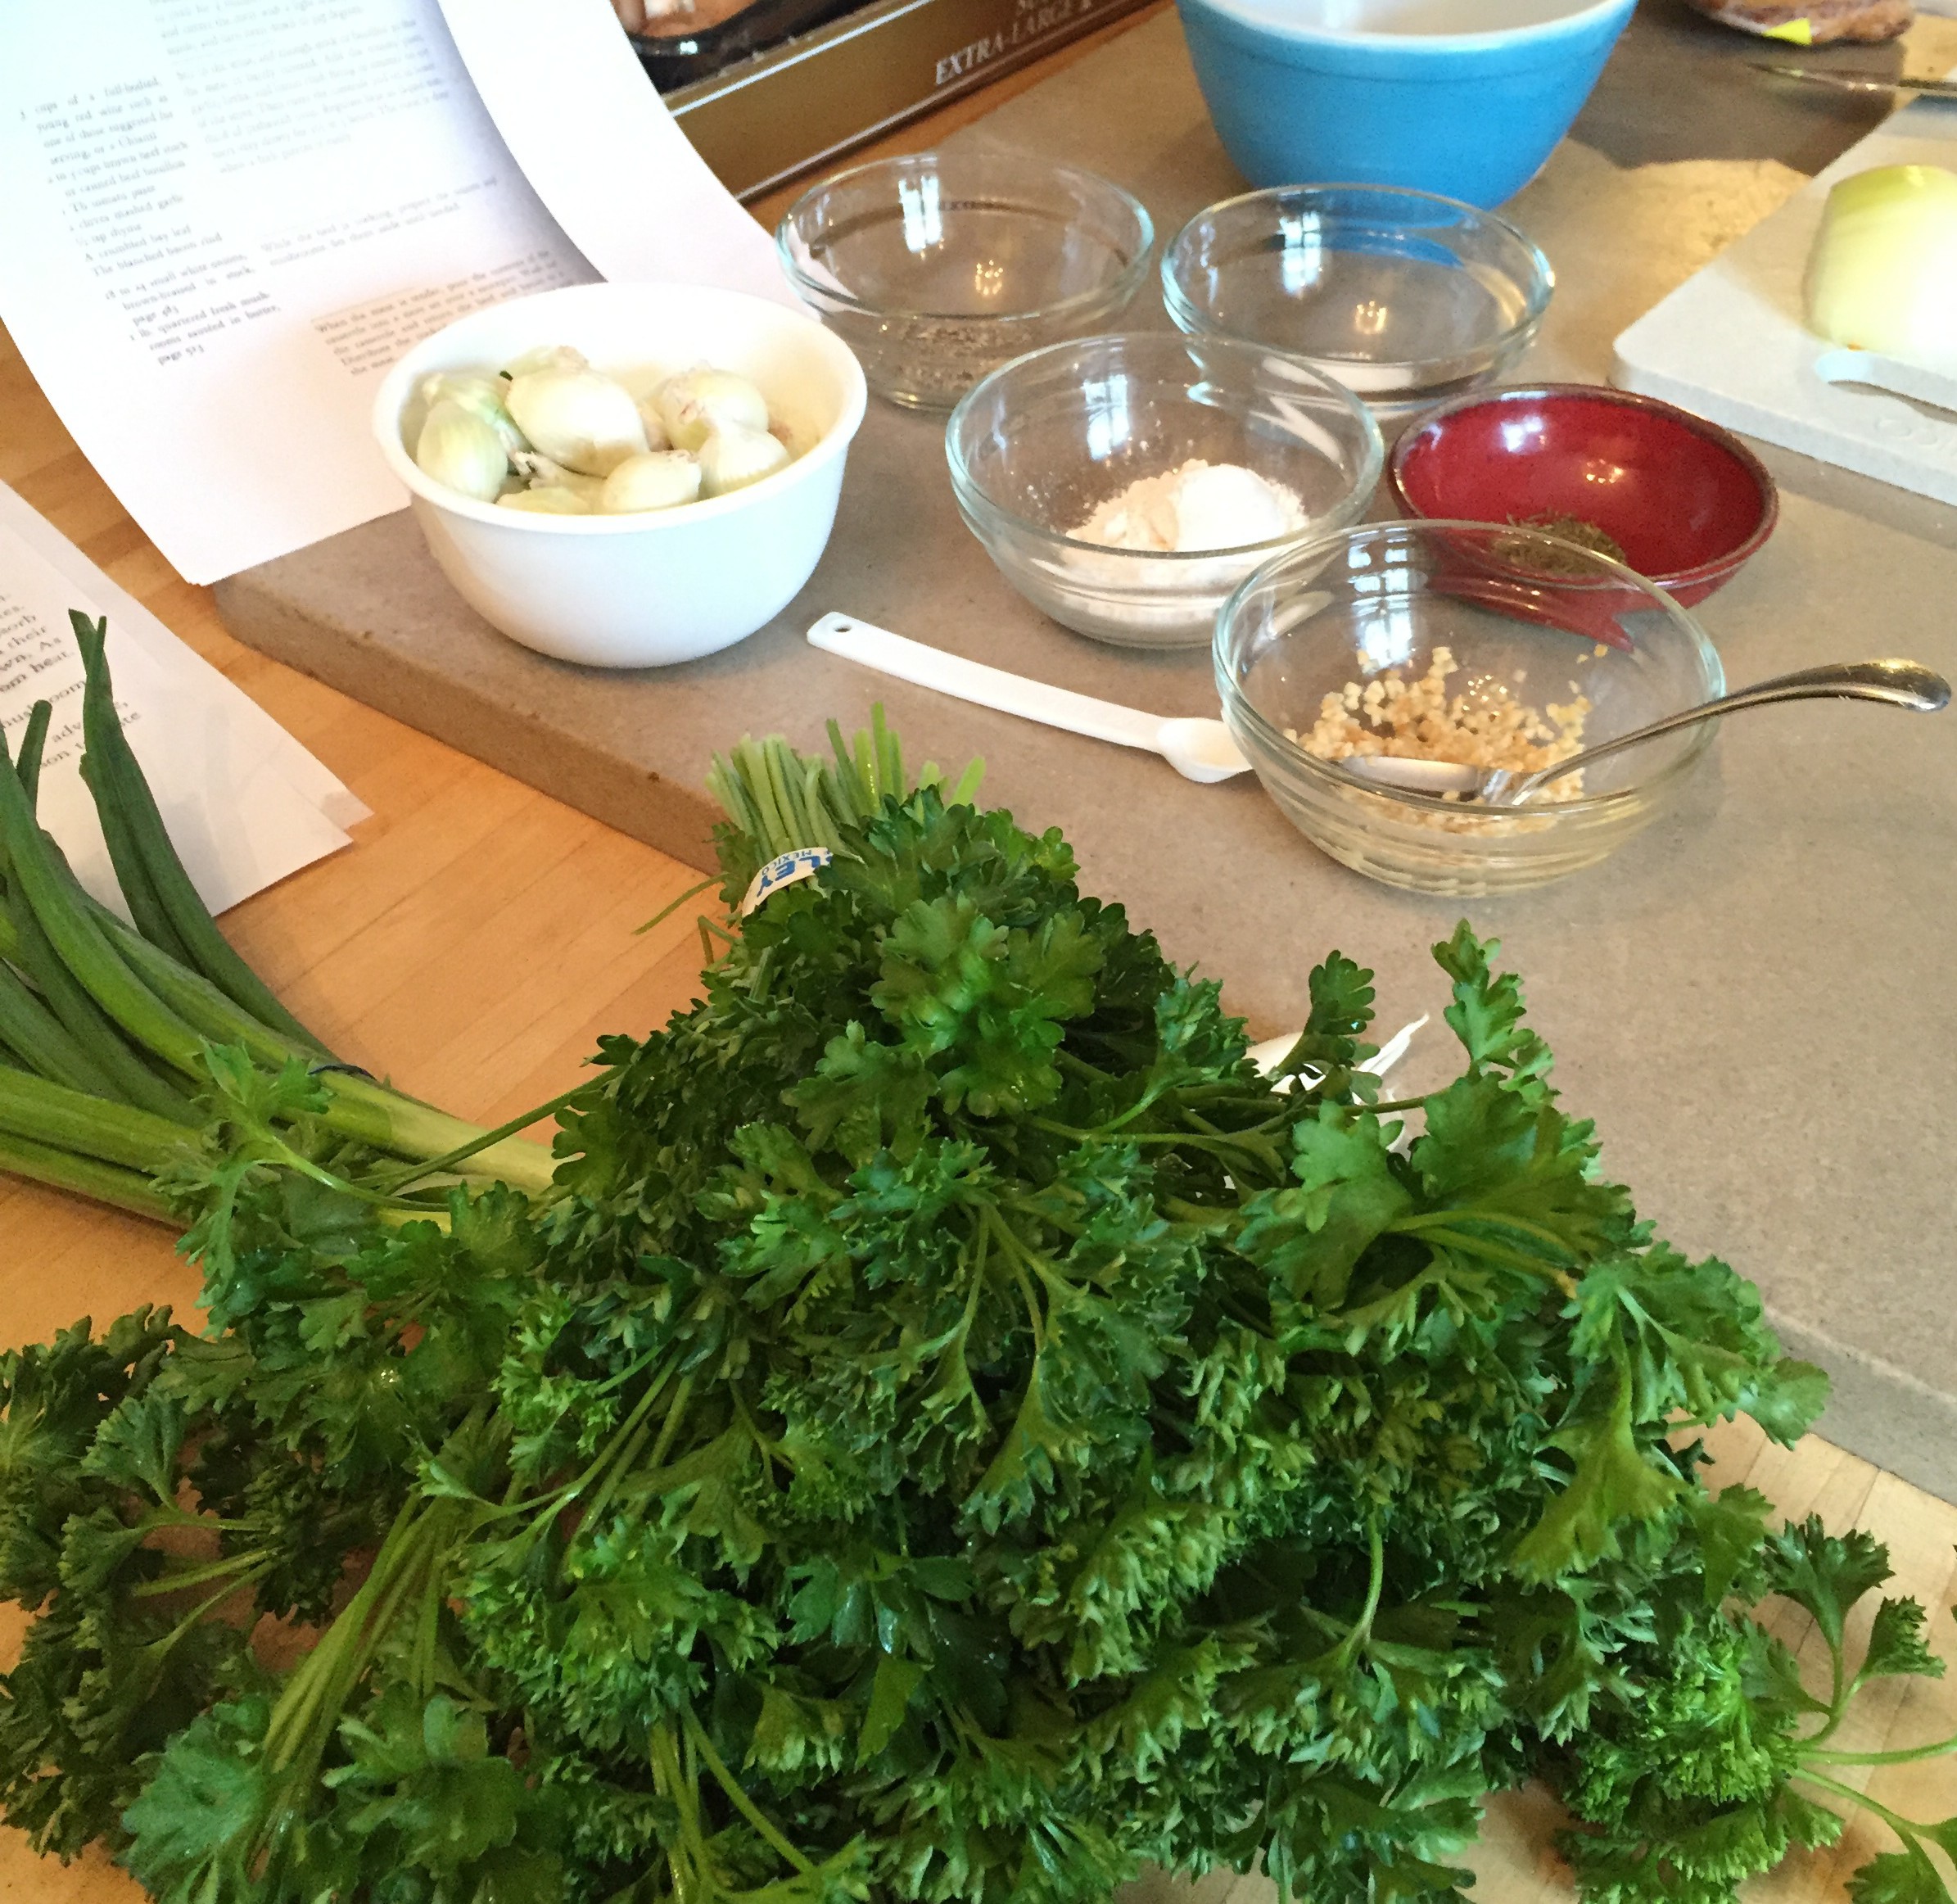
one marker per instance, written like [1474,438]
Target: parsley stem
[769,1451]
[303,1723]
[205,1605]
[674,1415]
[1257,1151]
[671,1783]
[284,1153]
[288,1734]
[1502,1219]
[1474,1245]
[1904,1827]
[1078,1065]
[1196,1214]
[544,1506]
[170,1583]
[1361,1630]
[1032,1308]
[628,1456]
[619,1470]
[697,1732]
[1907,1755]
[168,1514]
[553,1501]
[1838,1695]
[667,911]
[448,1160]
[1018,1256]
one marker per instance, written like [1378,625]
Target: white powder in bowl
[1199,506]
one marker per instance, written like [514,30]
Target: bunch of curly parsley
[957,1433]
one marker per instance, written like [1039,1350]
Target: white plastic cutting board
[1729,344]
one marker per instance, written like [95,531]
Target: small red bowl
[1686,501]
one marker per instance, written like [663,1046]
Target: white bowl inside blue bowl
[1466,98]
[1404,297]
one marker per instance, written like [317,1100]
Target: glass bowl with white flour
[1126,485]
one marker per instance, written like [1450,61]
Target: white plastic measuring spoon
[1198,749]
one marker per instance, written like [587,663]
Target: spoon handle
[869,646]
[1901,684]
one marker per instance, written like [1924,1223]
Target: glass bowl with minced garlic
[1491,645]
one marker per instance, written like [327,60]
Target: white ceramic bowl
[669,586]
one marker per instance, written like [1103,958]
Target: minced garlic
[1485,725]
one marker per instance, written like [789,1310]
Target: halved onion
[1882,275]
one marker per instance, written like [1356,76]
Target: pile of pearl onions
[461,451]
[733,456]
[576,417]
[586,445]
[659,479]
[697,402]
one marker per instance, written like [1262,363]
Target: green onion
[76,1011]
[77,940]
[359,1108]
[34,739]
[108,1183]
[145,907]
[185,921]
[90,1126]
[389,1121]
[42,1044]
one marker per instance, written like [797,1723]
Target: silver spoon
[1900,684]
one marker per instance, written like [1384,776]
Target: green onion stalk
[138,1048]
[111,1030]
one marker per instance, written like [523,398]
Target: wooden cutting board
[1729,343]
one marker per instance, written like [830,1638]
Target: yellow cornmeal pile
[1485,727]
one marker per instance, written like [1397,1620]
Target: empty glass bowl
[935,267]
[1405,297]
[1319,638]
[1044,441]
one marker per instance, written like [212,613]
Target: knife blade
[1858,82]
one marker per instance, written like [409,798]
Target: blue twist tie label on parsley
[804,862]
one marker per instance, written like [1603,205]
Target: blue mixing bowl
[1396,92]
